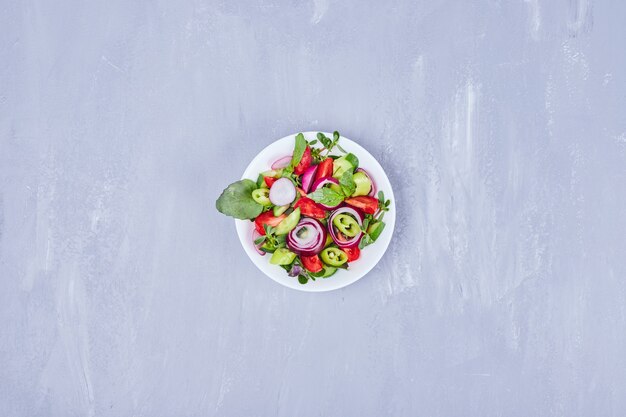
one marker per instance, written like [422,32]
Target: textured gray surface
[502,125]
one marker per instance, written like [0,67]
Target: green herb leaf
[326,196]
[302,279]
[236,201]
[269,230]
[313,142]
[325,140]
[354,161]
[298,149]
[260,240]
[381,196]
[348,186]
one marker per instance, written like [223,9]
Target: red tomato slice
[269,219]
[368,204]
[310,208]
[325,169]
[305,162]
[353,253]
[312,263]
[269,181]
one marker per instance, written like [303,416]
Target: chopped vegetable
[282,256]
[261,196]
[282,162]
[310,208]
[334,256]
[342,220]
[362,182]
[325,169]
[307,238]
[269,181]
[308,177]
[282,192]
[368,204]
[268,219]
[305,162]
[288,223]
[353,253]
[278,210]
[312,263]
[341,165]
[374,230]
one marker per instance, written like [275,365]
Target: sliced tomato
[325,169]
[368,204]
[310,208]
[269,181]
[305,162]
[312,263]
[269,219]
[353,253]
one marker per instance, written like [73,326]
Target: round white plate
[370,255]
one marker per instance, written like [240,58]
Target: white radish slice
[283,192]
[282,162]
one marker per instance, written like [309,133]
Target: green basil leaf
[236,201]
[302,279]
[354,161]
[326,196]
[298,149]
[348,186]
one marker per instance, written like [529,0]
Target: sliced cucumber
[363,184]
[288,223]
[278,210]
[341,165]
[329,271]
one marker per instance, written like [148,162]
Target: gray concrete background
[502,126]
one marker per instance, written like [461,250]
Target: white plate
[370,255]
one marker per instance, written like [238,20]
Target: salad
[313,211]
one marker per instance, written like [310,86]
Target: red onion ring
[281,162]
[313,240]
[373,190]
[353,241]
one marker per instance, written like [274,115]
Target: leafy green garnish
[348,186]
[383,205]
[236,201]
[329,143]
[298,149]
[354,161]
[259,181]
[336,137]
[326,196]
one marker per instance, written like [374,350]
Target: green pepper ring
[334,256]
